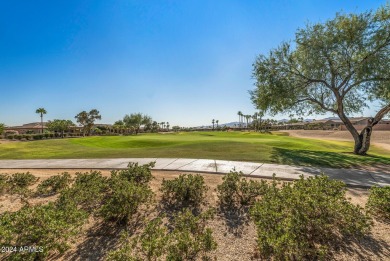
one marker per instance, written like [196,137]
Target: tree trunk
[363,145]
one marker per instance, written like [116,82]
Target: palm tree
[41,111]
[247,119]
[167,125]
[217,123]
[213,121]
[239,113]
[254,117]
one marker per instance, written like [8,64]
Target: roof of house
[33,125]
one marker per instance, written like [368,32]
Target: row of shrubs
[301,220]
[40,136]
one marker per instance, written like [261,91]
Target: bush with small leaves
[150,245]
[4,184]
[44,226]
[18,183]
[236,191]
[54,184]
[136,173]
[379,203]
[124,199]
[190,238]
[304,219]
[187,239]
[87,192]
[185,190]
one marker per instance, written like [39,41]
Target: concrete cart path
[352,177]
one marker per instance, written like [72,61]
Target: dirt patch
[378,138]
[236,239]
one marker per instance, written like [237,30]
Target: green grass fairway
[241,146]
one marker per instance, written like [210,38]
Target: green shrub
[187,239]
[28,137]
[87,192]
[134,172]
[10,136]
[184,191]
[236,191]
[190,238]
[22,180]
[379,202]
[4,184]
[151,244]
[124,200]
[54,184]
[303,219]
[18,183]
[44,226]
[18,137]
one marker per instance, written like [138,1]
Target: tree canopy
[2,126]
[87,120]
[136,120]
[336,67]
[60,126]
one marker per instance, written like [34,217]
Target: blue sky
[185,62]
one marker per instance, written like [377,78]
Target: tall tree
[167,125]
[217,121]
[213,122]
[247,117]
[136,120]
[336,67]
[2,126]
[41,112]
[239,113]
[255,122]
[87,120]
[60,126]
[119,126]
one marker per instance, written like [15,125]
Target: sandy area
[378,138]
[236,240]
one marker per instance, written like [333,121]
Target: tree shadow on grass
[324,158]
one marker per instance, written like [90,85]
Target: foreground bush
[87,192]
[237,191]
[151,244]
[189,239]
[45,227]
[184,191]
[54,184]
[303,219]
[136,173]
[3,184]
[125,199]
[379,202]
[18,183]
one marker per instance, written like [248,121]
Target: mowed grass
[239,146]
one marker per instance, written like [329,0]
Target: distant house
[29,128]
[361,123]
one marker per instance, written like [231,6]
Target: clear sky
[185,62]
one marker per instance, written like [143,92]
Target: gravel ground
[236,239]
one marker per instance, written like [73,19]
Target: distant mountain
[229,124]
